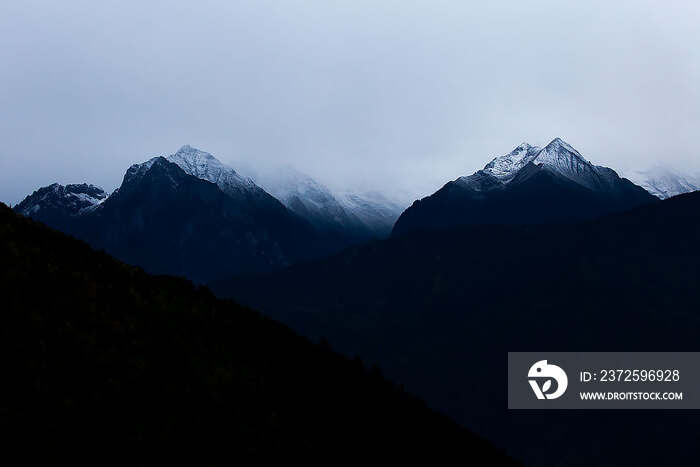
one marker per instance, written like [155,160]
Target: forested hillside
[103,363]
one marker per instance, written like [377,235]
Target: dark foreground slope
[439,310]
[104,363]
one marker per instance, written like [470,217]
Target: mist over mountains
[359,216]
[663,182]
[191,215]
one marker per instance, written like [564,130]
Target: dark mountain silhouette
[296,237]
[528,186]
[439,310]
[107,365]
[167,221]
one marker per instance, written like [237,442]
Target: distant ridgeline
[107,365]
[190,215]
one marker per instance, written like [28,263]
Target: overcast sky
[387,94]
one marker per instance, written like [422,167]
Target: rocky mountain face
[530,185]
[57,200]
[295,235]
[187,215]
[170,222]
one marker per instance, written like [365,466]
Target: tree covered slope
[103,363]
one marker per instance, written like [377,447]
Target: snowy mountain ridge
[366,215]
[308,198]
[207,167]
[663,182]
[559,157]
[505,167]
[529,185]
[73,199]
[356,217]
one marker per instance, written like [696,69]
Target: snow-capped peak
[559,150]
[559,157]
[505,167]
[558,143]
[203,165]
[199,163]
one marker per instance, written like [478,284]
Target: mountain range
[193,216]
[168,221]
[530,185]
[189,214]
